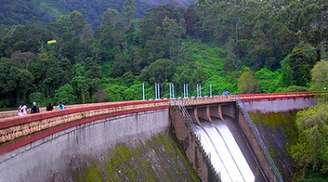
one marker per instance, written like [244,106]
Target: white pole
[155,91]
[170,85]
[187,89]
[143,91]
[197,90]
[200,90]
[173,91]
[159,91]
[211,90]
[184,90]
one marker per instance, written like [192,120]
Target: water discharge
[225,154]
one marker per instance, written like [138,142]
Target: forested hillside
[27,11]
[248,46]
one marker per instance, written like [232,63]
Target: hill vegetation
[223,44]
[27,11]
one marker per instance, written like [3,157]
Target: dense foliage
[310,152]
[107,57]
[260,33]
[320,76]
[24,11]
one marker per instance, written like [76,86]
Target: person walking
[61,106]
[35,108]
[19,110]
[50,107]
[22,110]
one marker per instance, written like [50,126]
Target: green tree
[320,76]
[65,94]
[37,97]
[247,82]
[220,84]
[161,33]
[70,33]
[129,10]
[115,92]
[191,73]
[297,65]
[23,38]
[310,152]
[159,71]
[81,83]
[111,42]
[50,72]
[268,80]
[15,82]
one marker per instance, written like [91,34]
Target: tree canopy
[104,53]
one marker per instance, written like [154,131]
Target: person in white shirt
[22,110]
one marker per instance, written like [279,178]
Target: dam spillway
[225,154]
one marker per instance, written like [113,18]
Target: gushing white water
[225,154]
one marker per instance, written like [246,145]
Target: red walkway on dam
[18,131]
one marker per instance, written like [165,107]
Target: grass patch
[314,177]
[209,57]
[93,174]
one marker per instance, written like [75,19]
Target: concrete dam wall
[274,121]
[278,105]
[43,158]
[216,134]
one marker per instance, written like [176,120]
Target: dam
[215,134]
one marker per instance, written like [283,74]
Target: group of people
[23,110]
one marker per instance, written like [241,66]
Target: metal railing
[203,100]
